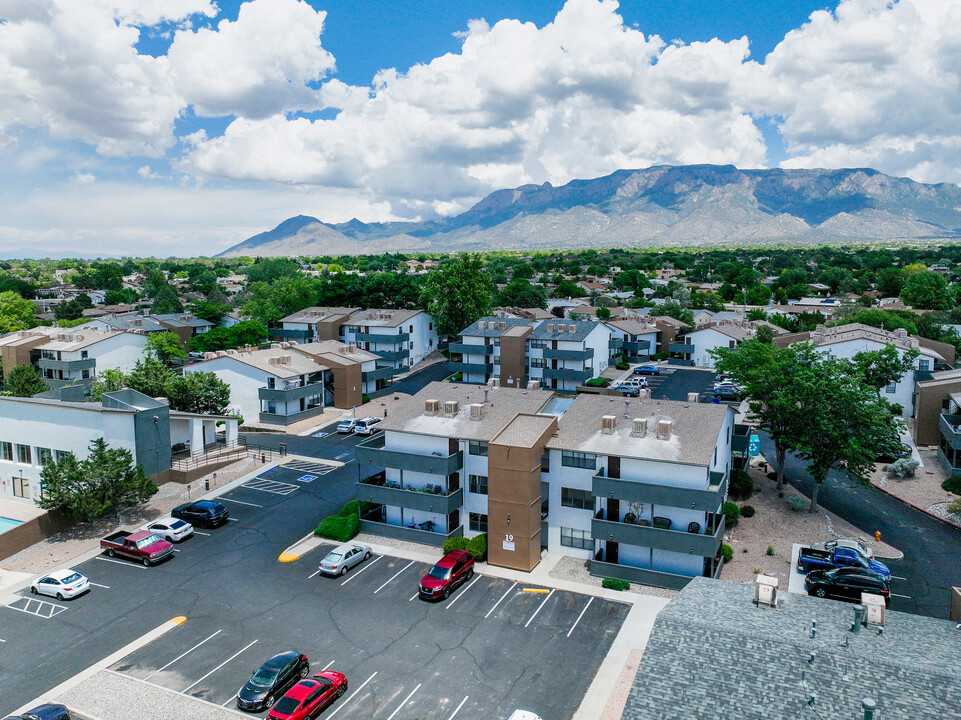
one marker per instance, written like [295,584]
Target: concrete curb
[13,588]
[301,547]
[918,508]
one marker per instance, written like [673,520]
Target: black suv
[847,584]
[272,680]
[203,513]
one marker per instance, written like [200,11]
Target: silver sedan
[170,528]
[341,559]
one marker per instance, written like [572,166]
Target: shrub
[952,484]
[747,511]
[615,584]
[731,512]
[727,552]
[770,551]
[622,365]
[659,356]
[741,485]
[455,543]
[903,468]
[797,504]
[365,399]
[757,571]
[955,508]
[477,547]
[597,382]
[744,550]
[343,526]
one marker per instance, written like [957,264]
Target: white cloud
[84,178]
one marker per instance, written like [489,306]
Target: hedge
[727,552]
[741,485]
[747,511]
[477,547]
[732,512]
[343,526]
[952,484]
[615,584]
[455,543]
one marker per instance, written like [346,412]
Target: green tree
[104,482]
[69,310]
[879,368]
[16,313]
[121,297]
[603,313]
[209,311]
[24,381]
[166,301]
[165,347]
[200,392]
[268,270]
[108,380]
[672,309]
[926,290]
[270,302]
[151,377]
[568,289]
[520,293]
[458,293]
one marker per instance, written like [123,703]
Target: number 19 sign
[509,542]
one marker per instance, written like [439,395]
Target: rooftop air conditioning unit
[572,329]
[481,324]
[275,346]
[639,427]
[285,359]
[351,349]
[231,351]
[285,345]
[476,411]
[209,355]
[533,384]
[291,342]
[561,327]
[501,325]
[608,423]
[664,428]
[431,407]
[550,327]
[451,407]
[765,590]
[494,383]
[271,360]
[692,397]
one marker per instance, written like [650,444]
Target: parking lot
[675,382]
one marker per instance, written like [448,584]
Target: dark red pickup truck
[144,546]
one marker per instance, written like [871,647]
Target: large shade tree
[458,293]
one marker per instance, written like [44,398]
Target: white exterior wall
[423,337]
[473,502]
[703,341]
[121,352]
[559,516]
[467,358]
[599,341]
[244,381]
[418,445]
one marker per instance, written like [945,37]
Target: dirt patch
[923,490]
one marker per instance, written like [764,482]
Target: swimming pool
[557,405]
[8,524]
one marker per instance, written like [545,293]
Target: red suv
[452,570]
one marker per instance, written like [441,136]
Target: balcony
[382,338]
[708,499]
[371,452]
[380,374]
[641,576]
[577,355]
[392,355]
[951,430]
[578,376]
[290,394]
[282,334]
[376,489]
[291,418]
[637,347]
[615,343]
[740,440]
[466,349]
[67,366]
[705,545]
[464,367]
[372,522]
[680,347]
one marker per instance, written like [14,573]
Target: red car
[453,569]
[307,698]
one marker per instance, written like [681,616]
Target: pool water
[557,406]
[8,524]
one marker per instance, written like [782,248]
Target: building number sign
[509,542]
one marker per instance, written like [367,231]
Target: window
[48,354]
[84,354]
[85,373]
[538,363]
[6,451]
[21,487]
[546,462]
[580,499]
[61,454]
[44,455]
[23,454]
[924,364]
[430,326]
[477,447]
[477,522]
[477,484]
[570,458]
[576,538]
[351,328]
[496,342]
[891,388]
[538,344]
[271,382]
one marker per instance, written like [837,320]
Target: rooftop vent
[533,384]
[639,427]
[476,411]
[494,382]
[608,423]
[431,407]
[664,428]
[451,407]
[550,327]
[572,329]
[692,397]
[481,324]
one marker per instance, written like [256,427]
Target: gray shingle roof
[561,330]
[713,654]
[492,326]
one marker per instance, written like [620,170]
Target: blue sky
[184,126]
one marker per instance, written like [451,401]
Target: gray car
[341,559]
[856,545]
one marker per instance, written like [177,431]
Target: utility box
[873,609]
[765,590]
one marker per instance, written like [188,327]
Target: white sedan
[61,584]
[170,528]
[341,559]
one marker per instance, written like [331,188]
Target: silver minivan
[366,426]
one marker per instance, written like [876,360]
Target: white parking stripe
[314,574]
[122,562]
[406,699]
[499,601]
[239,502]
[395,575]
[370,564]
[413,596]
[896,577]
[457,709]
[197,532]
[327,665]
[184,691]
[461,593]
[232,698]
[180,656]
[904,596]
[539,607]
[99,585]
[341,707]
[579,617]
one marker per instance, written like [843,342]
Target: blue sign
[754,445]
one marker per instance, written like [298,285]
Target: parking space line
[122,562]
[41,606]
[457,709]
[180,656]
[413,596]
[907,597]
[239,502]
[325,667]
[539,607]
[270,486]
[184,691]
[499,601]
[107,587]
[579,617]
[197,532]
[314,574]
[896,577]
[370,564]
[406,699]
[395,575]
[329,717]
[232,698]
[461,593]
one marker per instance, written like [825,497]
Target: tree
[603,313]
[457,294]
[568,289]
[210,311]
[926,290]
[672,309]
[15,312]
[165,301]
[200,392]
[151,377]
[165,347]
[24,381]
[879,368]
[69,310]
[105,481]
[270,302]
[108,380]
[520,293]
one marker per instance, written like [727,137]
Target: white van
[366,426]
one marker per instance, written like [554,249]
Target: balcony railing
[372,453]
[373,522]
[67,365]
[467,349]
[951,430]
[482,368]
[637,347]
[578,376]
[382,338]
[392,355]
[615,343]
[376,489]
[707,499]
[679,347]
[705,545]
[641,576]
[291,394]
[289,419]
[379,374]
[578,355]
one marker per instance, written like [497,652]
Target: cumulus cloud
[84,178]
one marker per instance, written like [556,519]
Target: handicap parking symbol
[306,478]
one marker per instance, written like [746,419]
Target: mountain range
[663,206]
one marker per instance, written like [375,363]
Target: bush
[615,584]
[903,468]
[622,365]
[797,504]
[455,543]
[477,547]
[731,512]
[597,382]
[727,552]
[770,551]
[952,484]
[741,485]
[659,356]
[365,399]
[955,508]
[747,511]
[343,526]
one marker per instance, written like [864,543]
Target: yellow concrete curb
[535,590]
[179,620]
[286,557]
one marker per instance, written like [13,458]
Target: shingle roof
[318,314]
[382,317]
[561,330]
[714,655]
[492,326]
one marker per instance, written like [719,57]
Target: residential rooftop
[383,317]
[570,330]
[319,314]
[279,362]
[345,354]
[493,326]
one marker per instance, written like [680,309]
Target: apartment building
[485,342]
[71,356]
[314,324]
[635,487]
[636,338]
[183,325]
[949,421]
[353,372]
[694,349]
[562,355]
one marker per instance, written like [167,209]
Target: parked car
[893,451]
[851,543]
[61,584]
[367,426]
[347,426]
[307,698]
[647,370]
[202,513]
[629,390]
[44,712]
[727,391]
[170,529]
[452,570]
[634,381]
[846,584]
[524,715]
[809,559]
[143,546]
[271,680]
[341,559]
